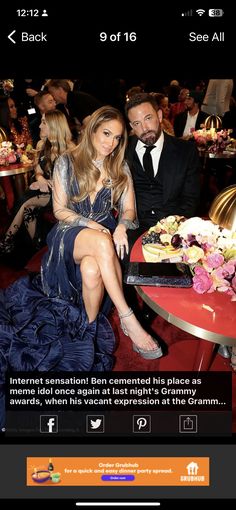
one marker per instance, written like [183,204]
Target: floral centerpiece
[11,153]
[211,140]
[209,250]
[6,86]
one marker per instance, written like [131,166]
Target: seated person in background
[76,105]
[44,103]
[16,130]
[24,90]
[172,91]
[179,106]
[163,105]
[56,139]
[173,184]
[192,118]
[19,126]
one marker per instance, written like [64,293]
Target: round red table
[209,317]
[19,171]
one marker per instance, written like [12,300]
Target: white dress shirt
[190,124]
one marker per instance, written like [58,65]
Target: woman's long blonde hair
[59,138]
[83,156]
[59,132]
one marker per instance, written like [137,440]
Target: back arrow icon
[10,37]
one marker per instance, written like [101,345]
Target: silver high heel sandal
[150,354]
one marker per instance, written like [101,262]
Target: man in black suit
[77,106]
[174,186]
[166,184]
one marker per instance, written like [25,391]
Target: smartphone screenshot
[117,256]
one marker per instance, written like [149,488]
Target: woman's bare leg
[92,287]
[100,246]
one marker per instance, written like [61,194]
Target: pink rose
[199,270]
[214,260]
[202,281]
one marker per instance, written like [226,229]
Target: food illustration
[42,475]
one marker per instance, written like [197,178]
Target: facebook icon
[48,424]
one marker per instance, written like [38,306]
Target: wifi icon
[200,12]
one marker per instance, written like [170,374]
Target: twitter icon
[95,423]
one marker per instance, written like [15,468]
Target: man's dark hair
[138,99]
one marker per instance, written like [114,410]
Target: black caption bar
[119,391]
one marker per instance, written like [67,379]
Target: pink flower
[214,260]
[233,283]
[12,158]
[10,153]
[212,140]
[229,268]
[215,269]
[218,281]
[225,271]
[202,281]
[209,249]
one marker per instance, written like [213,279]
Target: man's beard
[150,137]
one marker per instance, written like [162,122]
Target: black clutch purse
[158,274]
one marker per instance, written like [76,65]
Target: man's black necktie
[147,161]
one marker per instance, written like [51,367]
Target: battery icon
[215,13]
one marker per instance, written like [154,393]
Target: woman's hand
[42,185]
[121,240]
[34,185]
[97,226]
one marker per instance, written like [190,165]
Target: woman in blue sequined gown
[53,322]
